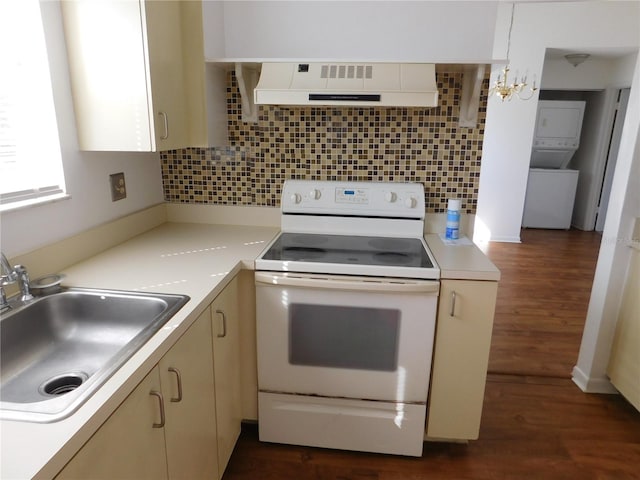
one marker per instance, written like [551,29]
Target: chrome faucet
[9,276]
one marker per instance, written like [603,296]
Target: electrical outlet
[118,187]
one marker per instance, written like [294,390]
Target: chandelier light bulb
[506,91]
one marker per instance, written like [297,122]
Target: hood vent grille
[348,84]
[346,71]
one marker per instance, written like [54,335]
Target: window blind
[30,159]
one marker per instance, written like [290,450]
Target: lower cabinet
[186,376]
[460,359]
[183,420]
[226,361]
[127,445]
[624,362]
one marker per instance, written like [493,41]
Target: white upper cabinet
[384,31]
[132,66]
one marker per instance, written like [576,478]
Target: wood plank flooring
[542,301]
[536,423]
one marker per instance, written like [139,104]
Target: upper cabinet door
[129,75]
[170,118]
[383,31]
[107,63]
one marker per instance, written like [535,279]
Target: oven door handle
[381,285]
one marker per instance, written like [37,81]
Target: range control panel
[352,196]
[369,199]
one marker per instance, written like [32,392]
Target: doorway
[595,158]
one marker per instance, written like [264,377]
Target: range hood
[352,84]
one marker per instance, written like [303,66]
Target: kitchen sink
[56,351]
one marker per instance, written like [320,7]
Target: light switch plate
[118,187]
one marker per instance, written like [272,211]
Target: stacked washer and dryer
[551,187]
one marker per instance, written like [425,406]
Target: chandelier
[506,89]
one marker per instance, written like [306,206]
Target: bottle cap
[454,204]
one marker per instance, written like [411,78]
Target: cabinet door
[136,84]
[461,356]
[624,363]
[186,375]
[167,79]
[127,445]
[107,63]
[226,361]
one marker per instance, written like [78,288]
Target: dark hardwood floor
[536,423]
[542,301]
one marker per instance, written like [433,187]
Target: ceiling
[596,53]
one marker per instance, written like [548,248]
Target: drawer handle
[179,382]
[452,313]
[165,119]
[158,395]
[224,324]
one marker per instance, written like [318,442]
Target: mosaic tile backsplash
[423,145]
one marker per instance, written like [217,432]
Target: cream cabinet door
[169,111]
[127,445]
[226,361]
[136,73]
[186,375]
[624,363]
[109,75]
[461,356]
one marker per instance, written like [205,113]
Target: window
[30,160]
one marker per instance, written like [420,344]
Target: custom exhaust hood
[348,84]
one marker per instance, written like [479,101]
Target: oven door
[345,337]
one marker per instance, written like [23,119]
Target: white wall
[594,74]
[580,26]
[576,26]
[412,31]
[86,174]
[614,257]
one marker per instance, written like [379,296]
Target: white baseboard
[592,385]
[506,239]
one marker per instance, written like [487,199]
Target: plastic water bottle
[453,219]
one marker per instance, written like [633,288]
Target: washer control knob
[390,197]
[315,194]
[410,202]
[295,198]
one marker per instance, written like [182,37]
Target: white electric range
[346,300]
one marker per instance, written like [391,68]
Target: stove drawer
[344,424]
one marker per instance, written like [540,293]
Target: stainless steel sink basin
[56,351]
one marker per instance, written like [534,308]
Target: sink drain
[65,383]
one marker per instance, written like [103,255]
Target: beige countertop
[192,259]
[182,258]
[461,260]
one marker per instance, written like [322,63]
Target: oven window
[344,337]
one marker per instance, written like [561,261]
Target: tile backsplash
[423,145]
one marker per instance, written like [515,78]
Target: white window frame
[31,169]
